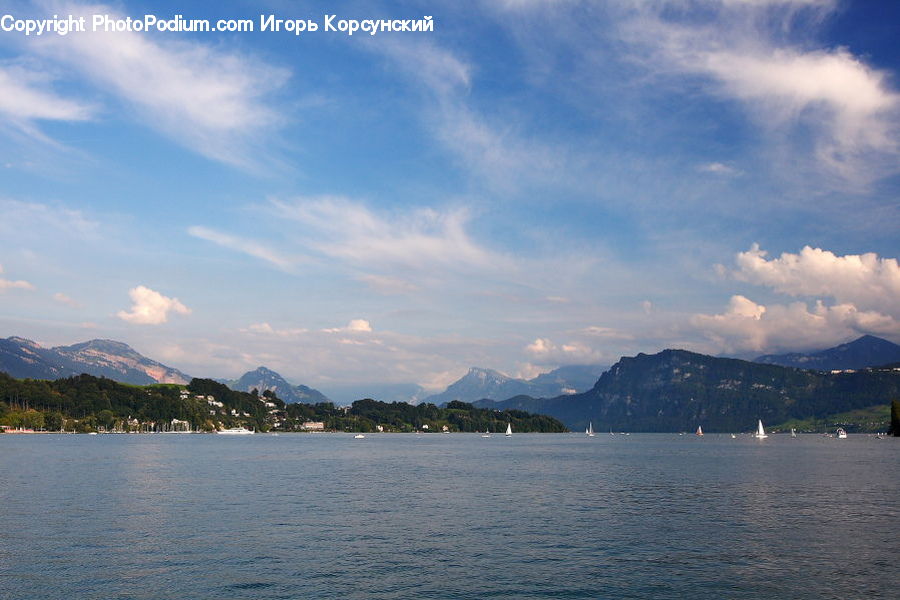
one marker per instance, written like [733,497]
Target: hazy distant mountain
[867,351]
[102,358]
[479,384]
[570,379]
[676,390]
[265,379]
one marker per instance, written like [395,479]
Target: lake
[448,516]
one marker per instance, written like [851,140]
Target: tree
[53,421]
[895,418]
[106,418]
[32,419]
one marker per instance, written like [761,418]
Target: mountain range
[480,384]
[677,390]
[103,358]
[867,351]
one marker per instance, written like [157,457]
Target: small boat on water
[760,431]
[793,432]
[358,436]
[236,431]
[590,430]
[734,437]
[699,430]
[509,430]
[840,434]
[486,434]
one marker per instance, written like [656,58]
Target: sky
[529,185]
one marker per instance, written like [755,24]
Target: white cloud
[495,151]
[150,307]
[865,290]
[389,285]
[419,239]
[544,351]
[206,99]
[829,99]
[267,329]
[864,280]
[354,326]
[64,299]
[607,333]
[245,246]
[26,217]
[750,327]
[718,168]
[27,97]
[8,284]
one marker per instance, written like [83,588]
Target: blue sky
[532,184]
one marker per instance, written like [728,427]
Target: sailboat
[590,430]
[793,432]
[486,434]
[760,432]
[699,430]
[508,429]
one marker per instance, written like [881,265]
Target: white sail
[699,430]
[508,429]
[590,429]
[760,432]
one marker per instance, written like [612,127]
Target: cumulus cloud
[354,326]
[8,284]
[864,280]
[544,351]
[865,290]
[150,307]
[750,327]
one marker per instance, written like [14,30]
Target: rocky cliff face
[102,358]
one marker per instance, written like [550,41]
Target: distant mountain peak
[263,379]
[864,351]
[23,341]
[101,345]
[480,383]
[99,357]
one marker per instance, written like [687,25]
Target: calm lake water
[448,516]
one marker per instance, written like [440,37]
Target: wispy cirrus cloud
[754,53]
[66,300]
[418,239]
[245,246]
[27,97]
[497,152]
[215,102]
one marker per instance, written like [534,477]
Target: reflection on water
[448,516]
